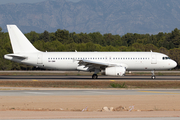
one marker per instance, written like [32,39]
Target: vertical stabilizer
[19,42]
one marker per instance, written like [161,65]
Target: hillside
[106,16]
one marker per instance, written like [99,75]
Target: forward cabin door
[153,59]
[40,58]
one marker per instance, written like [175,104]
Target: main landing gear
[153,75]
[94,76]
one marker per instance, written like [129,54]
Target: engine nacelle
[115,71]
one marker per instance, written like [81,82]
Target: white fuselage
[132,61]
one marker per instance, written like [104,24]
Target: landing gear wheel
[94,76]
[153,77]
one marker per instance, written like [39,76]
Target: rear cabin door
[40,58]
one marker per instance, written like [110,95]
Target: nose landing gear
[153,75]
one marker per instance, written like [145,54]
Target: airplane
[108,63]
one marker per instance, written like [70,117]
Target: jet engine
[115,71]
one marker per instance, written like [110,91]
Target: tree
[54,46]
[71,47]
[62,35]
[92,47]
[40,45]
[84,38]
[175,37]
[137,47]
[123,48]
[97,38]
[150,47]
[163,50]
[128,39]
[45,36]
[175,55]
[32,36]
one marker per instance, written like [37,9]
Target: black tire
[153,77]
[94,76]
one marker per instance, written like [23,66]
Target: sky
[26,1]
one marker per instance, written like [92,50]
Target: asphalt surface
[52,77]
[74,92]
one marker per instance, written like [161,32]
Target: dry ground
[92,102]
[56,115]
[72,106]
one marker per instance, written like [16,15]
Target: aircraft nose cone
[174,64]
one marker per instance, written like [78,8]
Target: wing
[92,65]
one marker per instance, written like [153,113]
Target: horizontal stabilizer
[16,56]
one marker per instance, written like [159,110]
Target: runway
[82,78]
[75,92]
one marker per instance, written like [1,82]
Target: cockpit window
[165,58]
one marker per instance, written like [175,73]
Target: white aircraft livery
[108,63]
